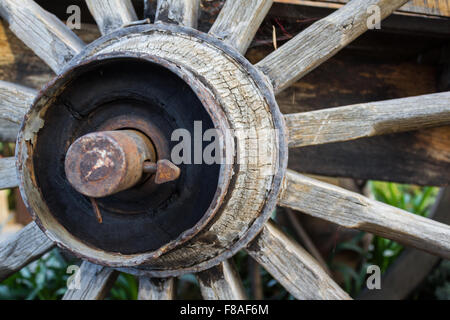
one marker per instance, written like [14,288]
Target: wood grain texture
[400,279]
[321,41]
[25,246]
[221,283]
[8,175]
[111,14]
[292,266]
[354,211]
[368,119]
[181,12]
[15,101]
[239,20]
[95,282]
[156,289]
[44,33]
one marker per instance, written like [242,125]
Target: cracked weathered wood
[292,266]
[354,211]
[321,40]
[94,282]
[221,282]
[41,31]
[156,288]
[15,100]
[8,175]
[181,12]
[368,119]
[111,14]
[238,22]
[20,249]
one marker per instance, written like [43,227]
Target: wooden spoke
[92,283]
[14,101]
[41,31]
[368,119]
[8,176]
[393,157]
[8,131]
[292,266]
[25,246]
[352,210]
[111,14]
[321,41]
[239,20]
[156,289]
[221,283]
[181,12]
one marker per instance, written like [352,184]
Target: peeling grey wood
[368,119]
[156,289]
[41,31]
[352,210]
[8,175]
[239,20]
[401,279]
[292,266]
[221,282]
[94,282]
[321,40]
[15,100]
[111,14]
[181,12]
[20,249]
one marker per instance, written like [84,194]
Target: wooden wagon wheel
[153,78]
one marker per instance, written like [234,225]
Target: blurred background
[409,56]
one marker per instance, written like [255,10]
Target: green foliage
[382,252]
[417,200]
[44,279]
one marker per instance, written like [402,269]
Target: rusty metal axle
[101,164]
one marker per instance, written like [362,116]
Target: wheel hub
[111,115]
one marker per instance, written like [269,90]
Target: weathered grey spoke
[8,176]
[14,101]
[292,266]
[322,40]
[25,246]
[368,119]
[156,289]
[41,31]
[92,282]
[239,20]
[181,12]
[8,131]
[221,282]
[111,14]
[352,210]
